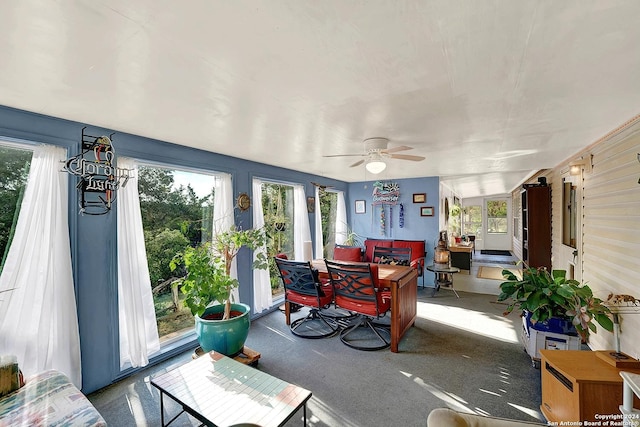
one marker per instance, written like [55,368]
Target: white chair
[631,386]
[445,417]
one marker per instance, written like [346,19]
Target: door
[497,220]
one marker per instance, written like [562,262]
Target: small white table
[220,391]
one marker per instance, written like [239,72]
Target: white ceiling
[486,90]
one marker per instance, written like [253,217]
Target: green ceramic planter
[224,336]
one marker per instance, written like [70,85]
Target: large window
[472,220]
[497,217]
[328,208]
[14,171]
[177,211]
[277,207]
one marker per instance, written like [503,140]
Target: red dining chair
[302,287]
[356,289]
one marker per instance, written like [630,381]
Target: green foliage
[161,249]
[206,280]
[14,171]
[547,295]
[208,267]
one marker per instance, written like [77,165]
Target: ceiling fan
[375,150]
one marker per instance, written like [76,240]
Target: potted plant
[545,296]
[552,304]
[221,324]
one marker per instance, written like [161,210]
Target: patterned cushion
[392,261]
[48,398]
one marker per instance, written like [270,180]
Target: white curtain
[319,247]
[301,231]
[341,219]
[223,218]
[136,313]
[38,318]
[262,298]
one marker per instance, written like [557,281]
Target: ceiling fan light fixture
[376,165]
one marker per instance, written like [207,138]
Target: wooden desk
[461,255]
[403,282]
[579,386]
[219,391]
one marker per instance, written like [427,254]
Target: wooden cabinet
[579,386]
[536,225]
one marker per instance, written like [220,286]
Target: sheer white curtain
[301,230]
[223,218]
[341,219]
[136,312]
[319,245]
[38,319]
[262,298]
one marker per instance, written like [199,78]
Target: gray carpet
[462,353]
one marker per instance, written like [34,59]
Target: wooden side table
[578,386]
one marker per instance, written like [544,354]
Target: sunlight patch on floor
[135,406]
[469,320]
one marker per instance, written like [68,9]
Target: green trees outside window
[14,171]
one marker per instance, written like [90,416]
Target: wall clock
[243,202]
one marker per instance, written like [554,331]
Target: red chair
[356,289]
[302,287]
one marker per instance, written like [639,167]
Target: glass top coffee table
[220,391]
[443,278]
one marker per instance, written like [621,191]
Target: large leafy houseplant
[208,268]
[546,295]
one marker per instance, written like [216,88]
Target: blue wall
[93,238]
[416,227]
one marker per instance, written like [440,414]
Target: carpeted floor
[461,353]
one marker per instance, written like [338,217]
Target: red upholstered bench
[418,251]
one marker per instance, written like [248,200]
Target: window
[569,214]
[472,220]
[277,207]
[329,209]
[177,211]
[497,217]
[14,171]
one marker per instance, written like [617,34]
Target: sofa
[418,251]
[48,399]
[445,417]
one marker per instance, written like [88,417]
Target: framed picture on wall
[426,211]
[419,197]
[361,207]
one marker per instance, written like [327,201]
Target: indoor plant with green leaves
[221,324]
[547,295]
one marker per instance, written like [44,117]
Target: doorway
[497,219]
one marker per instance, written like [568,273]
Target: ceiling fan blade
[406,157]
[358,163]
[396,149]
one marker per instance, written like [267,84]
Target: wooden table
[578,386]
[403,282]
[220,391]
[461,254]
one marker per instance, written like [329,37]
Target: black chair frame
[355,282]
[301,278]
